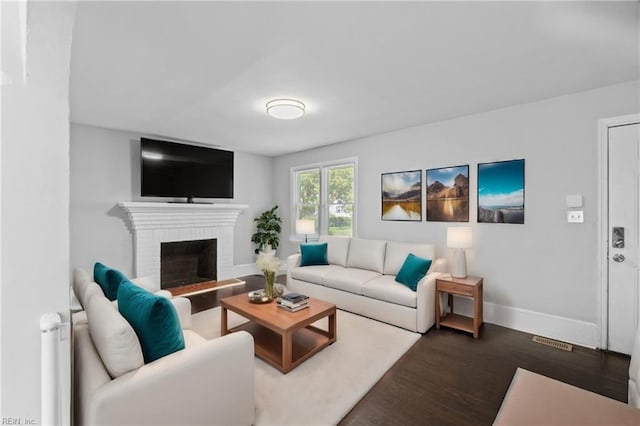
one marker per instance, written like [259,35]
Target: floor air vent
[553,343]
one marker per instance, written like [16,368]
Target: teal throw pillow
[114,278]
[154,320]
[108,279]
[413,270]
[313,254]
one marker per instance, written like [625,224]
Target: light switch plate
[574,200]
[575,216]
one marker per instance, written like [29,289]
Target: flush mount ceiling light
[285,109]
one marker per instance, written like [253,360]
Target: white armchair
[208,382]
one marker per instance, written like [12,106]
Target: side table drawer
[449,287]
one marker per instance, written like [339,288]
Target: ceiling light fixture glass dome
[285,109]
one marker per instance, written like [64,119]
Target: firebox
[187,262]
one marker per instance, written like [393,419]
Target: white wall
[540,276]
[105,170]
[35,199]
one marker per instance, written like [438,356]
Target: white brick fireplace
[156,223]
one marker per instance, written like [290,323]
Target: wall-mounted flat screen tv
[170,169]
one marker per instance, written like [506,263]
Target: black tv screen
[170,169]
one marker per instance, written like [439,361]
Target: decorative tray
[258,297]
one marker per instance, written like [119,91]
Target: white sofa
[208,382]
[360,278]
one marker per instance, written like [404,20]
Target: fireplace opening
[187,262]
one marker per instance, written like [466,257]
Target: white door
[623,229]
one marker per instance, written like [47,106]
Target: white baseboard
[569,330]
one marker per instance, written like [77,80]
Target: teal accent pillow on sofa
[154,320]
[413,270]
[313,254]
[108,279]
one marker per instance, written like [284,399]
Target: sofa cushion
[349,279]
[314,274]
[396,254]
[313,254]
[385,288]
[84,287]
[80,283]
[114,338]
[154,320]
[337,249]
[412,271]
[366,254]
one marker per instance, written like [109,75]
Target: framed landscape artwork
[402,196]
[448,194]
[501,192]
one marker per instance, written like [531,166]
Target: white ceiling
[202,71]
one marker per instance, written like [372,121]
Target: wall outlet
[575,216]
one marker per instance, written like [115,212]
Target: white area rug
[323,389]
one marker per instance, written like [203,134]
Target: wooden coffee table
[281,338]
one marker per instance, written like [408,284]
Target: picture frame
[501,191]
[401,196]
[448,194]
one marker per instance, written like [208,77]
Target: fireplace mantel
[180,215]
[155,223]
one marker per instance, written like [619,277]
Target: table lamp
[459,239]
[306,227]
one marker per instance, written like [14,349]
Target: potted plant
[267,236]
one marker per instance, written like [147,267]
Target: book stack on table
[293,302]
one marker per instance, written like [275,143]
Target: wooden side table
[469,287]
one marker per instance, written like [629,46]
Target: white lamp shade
[459,237]
[305,226]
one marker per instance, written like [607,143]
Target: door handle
[618,258]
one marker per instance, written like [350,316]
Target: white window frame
[324,205]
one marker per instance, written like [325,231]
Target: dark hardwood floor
[449,378]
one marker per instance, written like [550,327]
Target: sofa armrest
[183,308]
[426,302]
[440,265]
[293,261]
[210,383]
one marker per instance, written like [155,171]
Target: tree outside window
[326,195]
[340,191]
[309,195]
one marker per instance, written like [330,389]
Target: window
[326,194]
